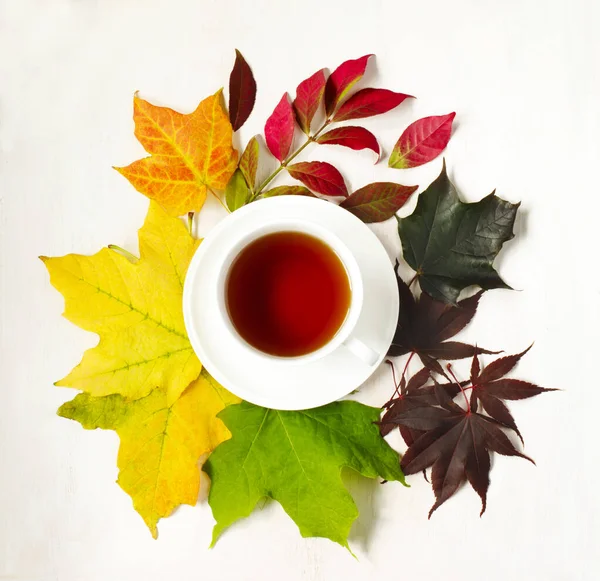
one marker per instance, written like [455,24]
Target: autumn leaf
[287,191]
[279,129]
[188,153]
[369,102]
[378,201]
[237,193]
[456,443]
[161,441]
[451,244]
[356,138]
[319,176]
[422,141]
[135,308]
[342,80]
[242,91]
[490,387]
[309,96]
[295,458]
[249,162]
[425,325]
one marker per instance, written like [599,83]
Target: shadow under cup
[290,291]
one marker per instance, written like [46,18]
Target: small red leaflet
[279,129]
[309,95]
[353,137]
[378,201]
[422,141]
[320,177]
[342,80]
[369,102]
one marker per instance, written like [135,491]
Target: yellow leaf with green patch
[188,153]
[161,442]
[135,308]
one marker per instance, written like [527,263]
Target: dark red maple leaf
[425,325]
[490,387]
[456,444]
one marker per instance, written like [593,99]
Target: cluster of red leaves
[454,441]
[421,142]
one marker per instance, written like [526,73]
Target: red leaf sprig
[372,203]
[421,142]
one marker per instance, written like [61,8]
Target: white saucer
[301,386]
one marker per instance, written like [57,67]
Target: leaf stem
[310,139]
[190,222]
[219,199]
[412,354]
[413,279]
[124,252]
[449,368]
[391,364]
[403,376]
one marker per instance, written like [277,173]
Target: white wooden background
[523,78]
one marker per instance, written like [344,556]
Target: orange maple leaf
[188,153]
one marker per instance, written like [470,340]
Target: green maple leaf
[296,457]
[452,244]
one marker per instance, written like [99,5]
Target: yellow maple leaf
[135,308]
[187,153]
[161,442]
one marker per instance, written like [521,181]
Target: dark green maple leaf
[452,244]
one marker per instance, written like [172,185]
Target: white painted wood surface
[522,76]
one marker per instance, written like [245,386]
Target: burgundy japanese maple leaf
[425,325]
[456,444]
[490,387]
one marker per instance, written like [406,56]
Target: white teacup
[344,335]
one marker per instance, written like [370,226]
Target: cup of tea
[291,292]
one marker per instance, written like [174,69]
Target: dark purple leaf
[242,92]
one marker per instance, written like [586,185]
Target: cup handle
[361,351]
